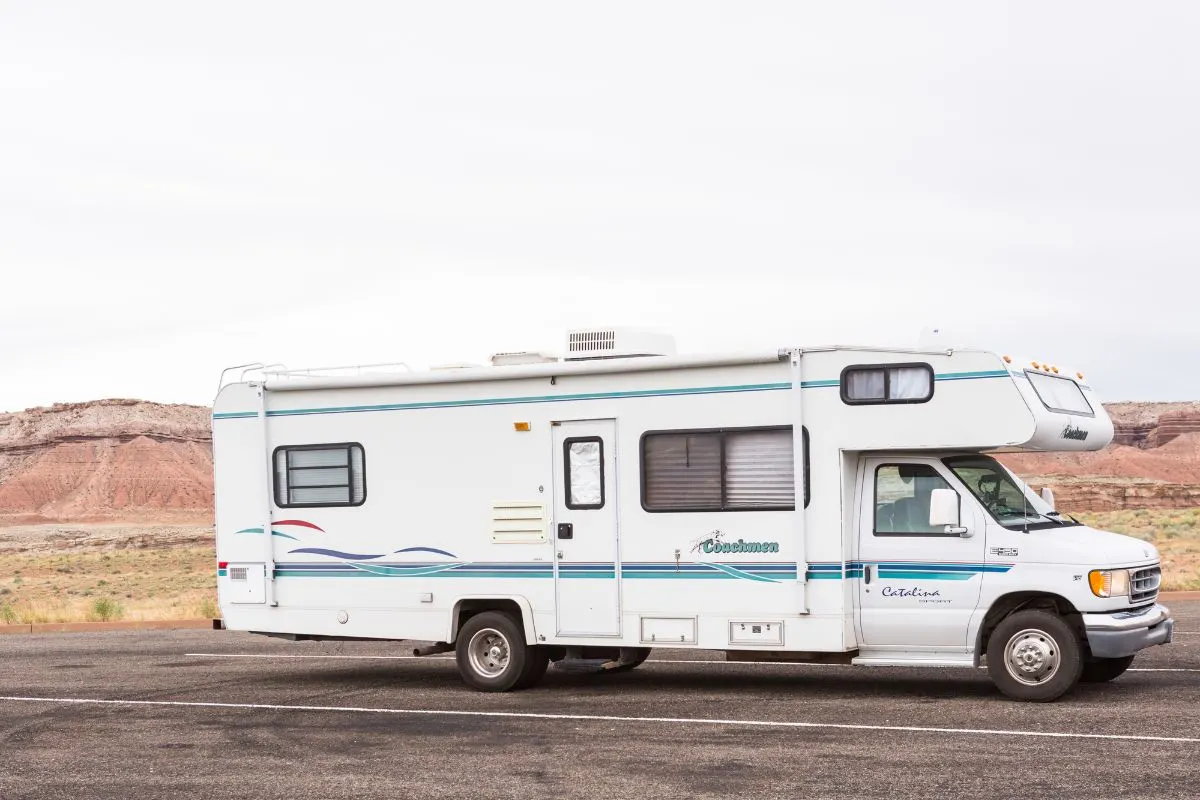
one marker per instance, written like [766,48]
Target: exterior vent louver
[591,341]
[617,343]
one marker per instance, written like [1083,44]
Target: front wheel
[1034,655]
[1099,670]
[491,652]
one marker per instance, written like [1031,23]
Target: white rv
[820,504]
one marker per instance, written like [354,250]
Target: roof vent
[617,343]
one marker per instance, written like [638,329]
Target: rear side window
[1060,394]
[877,384]
[320,475]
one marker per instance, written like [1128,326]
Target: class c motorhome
[821,504]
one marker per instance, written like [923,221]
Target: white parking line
[359,658]
[651,662]
[745,723]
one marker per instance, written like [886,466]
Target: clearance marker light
[1036,365]
[1055,370]
[520,426]
[1008,359]
[1079,375]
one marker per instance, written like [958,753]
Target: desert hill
[1153,462]
[136,462]
[108,460]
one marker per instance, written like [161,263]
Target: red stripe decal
[298,523]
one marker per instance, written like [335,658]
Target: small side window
[585,472]
[902,495]
[320,475]
[887,383]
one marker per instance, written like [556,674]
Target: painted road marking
[359,658]
[648,663]
[743,723]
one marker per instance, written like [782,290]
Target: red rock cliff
[109,460]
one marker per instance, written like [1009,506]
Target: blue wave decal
[737,573]
[403,572]
[426,550]
[280,534]
[321,551]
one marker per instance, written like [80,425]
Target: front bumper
[1123,633]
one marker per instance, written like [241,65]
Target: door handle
[566,530]
[866,573]
[960,530]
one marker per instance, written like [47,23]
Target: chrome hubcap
[1031,657]
[488,650]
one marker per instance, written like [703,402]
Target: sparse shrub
[8,614]
[208,609]
[105,609]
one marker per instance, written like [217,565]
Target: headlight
[1109,582]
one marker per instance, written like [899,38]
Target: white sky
[189,186]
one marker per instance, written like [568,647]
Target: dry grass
[1175,532]
[169,583]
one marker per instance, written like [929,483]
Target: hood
[1080,544]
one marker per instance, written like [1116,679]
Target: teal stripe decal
[503,401]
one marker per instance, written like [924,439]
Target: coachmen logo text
[1072,432]
[715,543]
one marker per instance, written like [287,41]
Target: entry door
[587,595]
[920,585]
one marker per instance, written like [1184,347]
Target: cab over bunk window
[887,383]
[320,475]
[733,469]
[902,497]
[1060,394]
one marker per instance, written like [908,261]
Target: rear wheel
[1034,655]
[1099,670]
[491,652]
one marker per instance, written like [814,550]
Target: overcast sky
[189,186]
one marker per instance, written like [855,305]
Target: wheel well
[1019,601]
[465,609]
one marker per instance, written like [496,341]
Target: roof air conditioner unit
[617,343]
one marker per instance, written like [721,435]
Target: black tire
[642,654]
[537,661]
[1046,656]
[1099,670]
[491,652]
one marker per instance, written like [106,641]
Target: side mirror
[943,508]
[1048,497]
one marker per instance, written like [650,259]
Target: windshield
[1006,498]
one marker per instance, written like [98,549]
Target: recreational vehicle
[834,504]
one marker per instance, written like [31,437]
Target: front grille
[1143,584]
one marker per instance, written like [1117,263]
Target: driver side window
[902,495]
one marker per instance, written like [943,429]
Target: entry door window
[902,495]
[585,472]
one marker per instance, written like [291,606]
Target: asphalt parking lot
[217,714]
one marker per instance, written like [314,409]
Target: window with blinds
[318,475]
[731,469]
